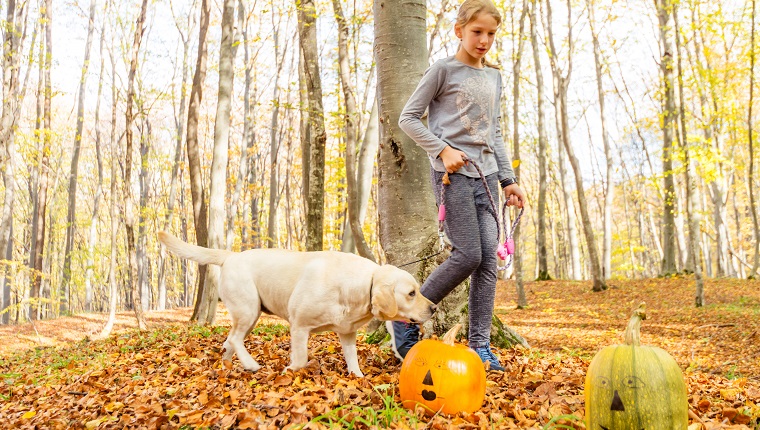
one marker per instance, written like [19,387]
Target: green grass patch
[270,331]
[353,416]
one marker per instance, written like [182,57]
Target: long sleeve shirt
[463,112]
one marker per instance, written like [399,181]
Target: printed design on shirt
[474,102]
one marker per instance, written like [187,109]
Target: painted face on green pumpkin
[634,388]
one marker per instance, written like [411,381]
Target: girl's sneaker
[485,354]
[403,337]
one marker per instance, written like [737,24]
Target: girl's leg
[483,279]
[462,229]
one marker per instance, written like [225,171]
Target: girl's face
[477,37]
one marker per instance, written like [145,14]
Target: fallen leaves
[174,375]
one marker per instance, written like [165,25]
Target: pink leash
[505,250]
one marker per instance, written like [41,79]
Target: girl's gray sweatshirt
[463,112]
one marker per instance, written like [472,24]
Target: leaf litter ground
[172,376]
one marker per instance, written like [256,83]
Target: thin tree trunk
[664,10]
[90,266]
[143,277]
[219,163]
[274,147]
[129,220]
[6,280]
[307,30]
[247,143]
[71,215]
[11,60]
[752,202]
[200,210]
[571,245]
[305,129]
[543,265]
[113,266]
[180,126]
[350,118]
[561,85]
[609,188]
[522,301]
[694,261]
[40,206]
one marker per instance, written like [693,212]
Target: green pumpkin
[634,387]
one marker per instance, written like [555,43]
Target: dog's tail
[193,252]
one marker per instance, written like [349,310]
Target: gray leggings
[472,230]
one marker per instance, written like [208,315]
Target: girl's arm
[411,117]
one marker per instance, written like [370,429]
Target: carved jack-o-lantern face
[442,377]
[633,387]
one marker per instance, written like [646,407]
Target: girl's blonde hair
[470,9]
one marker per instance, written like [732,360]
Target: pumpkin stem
[633,331]
[450,337]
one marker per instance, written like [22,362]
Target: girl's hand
[514,195]
[452,159]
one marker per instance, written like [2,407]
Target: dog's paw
[357,373]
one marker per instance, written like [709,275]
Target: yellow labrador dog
[314,291]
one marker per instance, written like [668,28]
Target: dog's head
[396,296]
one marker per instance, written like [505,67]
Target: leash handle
[507,249]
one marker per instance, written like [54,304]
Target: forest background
[629,123]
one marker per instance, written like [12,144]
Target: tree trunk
[113,266]
[6,281]
[129,220]
[11,60]
[609,188]
[179,125]
[407,214]
[219,162]
[44,121]
[90,266]
[247,142]
[664,8]
[307,30]
[752,201]
[272,239]
[522,301]
[694,261]
[351,119]
[143,267]
[561,85]
[543,265]
[71,215]
[305,129]
[194,161]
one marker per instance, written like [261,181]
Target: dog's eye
[412,294]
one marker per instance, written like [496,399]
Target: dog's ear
[384,305]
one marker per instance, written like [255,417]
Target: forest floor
[57,374]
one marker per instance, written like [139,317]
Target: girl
[461,94]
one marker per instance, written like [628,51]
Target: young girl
[461,94]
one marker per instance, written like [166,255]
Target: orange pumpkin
[442,376]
